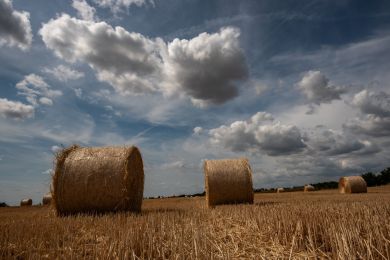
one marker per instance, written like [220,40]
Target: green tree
[384,176]
[370,178]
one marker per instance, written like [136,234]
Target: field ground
[321,224]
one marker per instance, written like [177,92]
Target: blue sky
[301,88]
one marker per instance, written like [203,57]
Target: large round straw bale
[46,200]
[98,179]
[352,184]
[25,202]
[279,190]
[228,181]
[308,188]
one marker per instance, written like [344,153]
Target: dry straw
[308,188]
[228,181]
[352,184]
[46,200]
[279,190]
[98,179]
[26,202]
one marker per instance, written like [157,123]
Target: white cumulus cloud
[84,10]
[35,89]
[125,60]
[15,110]
[198,130]
[117,6]
[206,68]
[64,73]
[260,134]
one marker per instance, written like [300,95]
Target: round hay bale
[308,188]
[46,200]
[352,184]
[228,181]
[279,190]
[26,202]
[98,179]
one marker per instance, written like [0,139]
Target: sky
[300,88]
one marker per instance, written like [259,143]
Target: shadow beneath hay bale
[230,204]
[266,203]
[161,210]
[97,213]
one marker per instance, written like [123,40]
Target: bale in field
[26,202]
[308,188]
[352,184]
[98,179]
[228,181]
[279,190]
[46,200]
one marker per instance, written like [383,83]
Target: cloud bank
[205,69]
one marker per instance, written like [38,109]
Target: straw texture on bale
[308,188]
[98,179]
[26,202]
[279,190]
[352,184]
[46,200]
[228,181]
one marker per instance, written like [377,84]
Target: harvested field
[319,224]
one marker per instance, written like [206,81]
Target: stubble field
[321,224]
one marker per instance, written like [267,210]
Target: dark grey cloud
[331,143]
[206,67]
[15,27]
[375,110]
[317,88]
[370,102]
[370,125]
[260,134]
[314,166]
[15,110]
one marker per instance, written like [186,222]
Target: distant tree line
[3,204]
[381,178]
[372,179]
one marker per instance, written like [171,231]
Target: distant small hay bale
[26,202]
[98,179]
[308,188]
[279,190]
[46,200]
[228,181]
[352,184]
